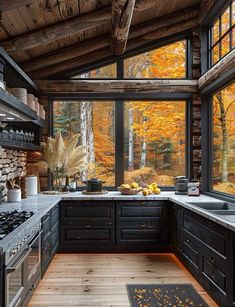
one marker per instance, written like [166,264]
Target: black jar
[181,185]
[94,185]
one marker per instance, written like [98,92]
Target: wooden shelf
[40,122]
[19,145]
[12,103]
[14,76]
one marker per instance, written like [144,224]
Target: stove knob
[13,251]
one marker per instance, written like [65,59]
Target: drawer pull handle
[212,260]
[211,223]
[188,241]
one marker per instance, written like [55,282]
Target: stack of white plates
[20,93]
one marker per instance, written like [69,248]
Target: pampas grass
[67,159]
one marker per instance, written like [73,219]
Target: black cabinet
[87,226]
[50,237]
[205,250]
[109,226]
[141,225]
[175,221]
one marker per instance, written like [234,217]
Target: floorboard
[98,280]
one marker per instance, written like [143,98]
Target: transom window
[222,34]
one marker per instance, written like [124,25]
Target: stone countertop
[41,204]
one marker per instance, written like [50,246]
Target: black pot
[94,185]
[181,185]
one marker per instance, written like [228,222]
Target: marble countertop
[41,204]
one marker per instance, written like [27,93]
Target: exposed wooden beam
[122,11]
[67,53]
[7,5]
[51,33]
[70,64]
[117,86]
[99,42]
[218,70]
[104,53]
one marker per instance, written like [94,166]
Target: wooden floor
[99,279]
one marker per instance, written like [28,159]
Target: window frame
[207,138]
[218,8]
[119,60]
[119,126]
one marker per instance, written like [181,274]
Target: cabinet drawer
[136,210]
[83,211]
[211,235]
[190,249]
[74,234]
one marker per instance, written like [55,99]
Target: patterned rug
[153,295]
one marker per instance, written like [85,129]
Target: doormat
[153,295]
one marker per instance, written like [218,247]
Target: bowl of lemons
[151,189]
[130,189]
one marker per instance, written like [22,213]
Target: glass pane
[105,72]
[225,45]
[225,21]
[152,152]
[165,62]
[224,140]
[15,283]
[33,260]
[215,54]
[233,12]
[215,32]
[95,121]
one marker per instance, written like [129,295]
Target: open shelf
[10,102]
[19,145]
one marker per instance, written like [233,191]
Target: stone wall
[12,164]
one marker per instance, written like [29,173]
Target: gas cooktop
[11,220]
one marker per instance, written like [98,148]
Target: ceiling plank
[99,42]
[7,5]
[122,11]
[104,53]
[117,86]
[59,30]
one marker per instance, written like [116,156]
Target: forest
[154,148]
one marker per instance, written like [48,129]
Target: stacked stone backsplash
[12,164]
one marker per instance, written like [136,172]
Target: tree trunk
[131,141]
[90,133]
[83,132]
[224,160]
[144,147]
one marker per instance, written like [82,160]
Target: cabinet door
[175,218]
[85,211]
[54,238]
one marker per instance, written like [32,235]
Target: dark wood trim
[117,86]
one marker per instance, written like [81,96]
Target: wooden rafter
[101,54]
[7,5]
[53,32]
[122,11]
[117,86]
[99,42]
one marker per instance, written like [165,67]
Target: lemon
[134,185]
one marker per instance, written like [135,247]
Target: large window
[223,162]
[222,34]
[165,62]
[154,141]
[154,138]
[95,121]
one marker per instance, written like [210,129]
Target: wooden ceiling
[61,34]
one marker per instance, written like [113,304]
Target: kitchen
[117,140]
